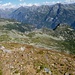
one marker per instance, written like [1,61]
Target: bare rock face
[46,16]
[42,16]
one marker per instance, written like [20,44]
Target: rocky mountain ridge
[43,16]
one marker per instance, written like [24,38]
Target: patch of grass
[0,72]
[21,40]
[42,66]
[23,73]
[70,46]
[44,41]
[4,38]
[39,64]
[19,27]
[16,71]
[40,52]
[31,34]
[11,45]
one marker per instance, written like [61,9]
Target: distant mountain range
[43,16]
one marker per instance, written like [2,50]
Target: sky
[18,3]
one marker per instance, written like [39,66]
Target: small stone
[47,71]
[22,48]
[38,67]
[52,64]
[67,73]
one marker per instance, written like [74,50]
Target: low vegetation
[33,60]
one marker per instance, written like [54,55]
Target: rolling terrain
[61,38]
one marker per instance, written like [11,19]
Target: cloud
[69,1]
[50,3]
[7,5]
[54,2]
[10,5]
[38,4]
[29,4]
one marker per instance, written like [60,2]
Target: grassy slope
[33,61]
[12,31]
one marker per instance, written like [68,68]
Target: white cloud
[10,5]
[54,2]
[29,4]
[51,3]
[25,4]
[38,4]
[7,5]
[69,1]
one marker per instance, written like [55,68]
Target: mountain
[45,15]
[73,24]
[4,13]
[42,16]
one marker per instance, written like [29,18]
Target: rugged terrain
[42,16]
[26,50]
[46,16]
[61,38]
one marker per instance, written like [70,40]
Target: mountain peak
[48,16]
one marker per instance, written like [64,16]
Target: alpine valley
[38,40]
